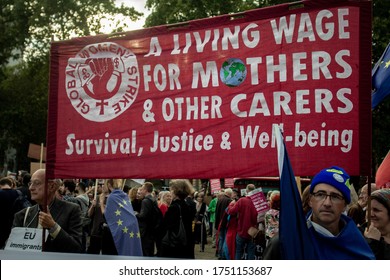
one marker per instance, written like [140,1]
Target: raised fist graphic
[103,78]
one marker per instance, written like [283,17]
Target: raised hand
[102,68]
[46,220]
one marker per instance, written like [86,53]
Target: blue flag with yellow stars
[381,78]
[123,224]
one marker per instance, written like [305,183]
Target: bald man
[62,218]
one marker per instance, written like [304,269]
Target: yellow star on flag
[117,213]
[125,230]
[138,235]
[131,234]
[120,205]
[124,202]
[119,222]
[387,64]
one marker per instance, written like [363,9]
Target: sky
[139,5]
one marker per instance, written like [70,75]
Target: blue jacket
[349,244]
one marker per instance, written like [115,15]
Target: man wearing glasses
[61,218]
[334,235]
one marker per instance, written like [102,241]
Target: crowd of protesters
[75,216]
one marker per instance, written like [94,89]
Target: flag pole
[297,246]
[369,200]
[96,184]
[299,184]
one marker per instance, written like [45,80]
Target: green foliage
[175,11]
[26,30]
[24,112]
[381,23]
[12,31]
[29,26]
[380,133]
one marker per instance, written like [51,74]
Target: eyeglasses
[34,183]
[334,197]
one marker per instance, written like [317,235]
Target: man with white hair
[358,210]
[61,218]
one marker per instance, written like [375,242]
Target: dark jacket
[220,216]
[380,248]
[7,200]
[347,245]
[200,234]
[66,215]
[171,222]
[357,214]
[146,225]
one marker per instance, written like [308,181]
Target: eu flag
[123,224]
[294,237]
[381,78]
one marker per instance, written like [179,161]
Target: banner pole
[369,200]
[96,184]
[41,157]
[124,183]
[44,206]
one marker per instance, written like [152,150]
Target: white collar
[318,228]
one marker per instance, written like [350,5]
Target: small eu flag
[123,224]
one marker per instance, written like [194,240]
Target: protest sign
[259,200]
[215,185]
[25,240]
[198,99]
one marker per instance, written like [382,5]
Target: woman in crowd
[179,209]
[108,245]
[272,216]
[200,232]
[378,234]
[164,200]
[135,202]
[97,221]
[229,246]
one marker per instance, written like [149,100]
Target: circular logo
[233,72]
[102,81]
[338,178]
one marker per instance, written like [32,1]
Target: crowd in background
[224,218]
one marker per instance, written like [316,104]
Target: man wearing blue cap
[334,235]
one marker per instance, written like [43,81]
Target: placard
[198,100]
[25,239]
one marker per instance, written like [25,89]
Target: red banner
[198,99]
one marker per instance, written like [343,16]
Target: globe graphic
[233,72]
